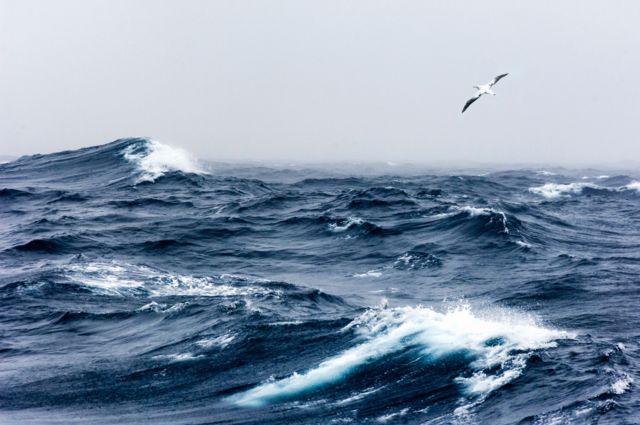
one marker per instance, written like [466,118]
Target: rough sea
[140,285]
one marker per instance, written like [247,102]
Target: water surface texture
[140,285]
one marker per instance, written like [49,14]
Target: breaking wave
[154,159]
[497,345]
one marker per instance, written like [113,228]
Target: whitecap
[476,211]
[556,190]
[622,384]
[634,185]
[494,338]
[159,158]
[349,223]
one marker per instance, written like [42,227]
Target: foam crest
[157,158]
[345,224]
[556,190]
[499,339]
[634,185]
[476,212]
[621,384]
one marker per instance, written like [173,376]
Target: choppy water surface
[139,285]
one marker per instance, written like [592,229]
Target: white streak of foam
[358,396]
[160,158]
[491,339]
[221,341]
[180,357]
[122,279]
[370,273]
[386,418]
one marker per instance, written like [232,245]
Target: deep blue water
[138,285]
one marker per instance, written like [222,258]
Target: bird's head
[476,87]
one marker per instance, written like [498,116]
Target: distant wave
[558,190]
[155,159]
[106,165]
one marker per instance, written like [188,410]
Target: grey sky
[325,80]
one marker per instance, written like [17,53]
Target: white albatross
[483,89]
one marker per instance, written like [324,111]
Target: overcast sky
[325,80]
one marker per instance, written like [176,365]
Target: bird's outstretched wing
[498,78]
[470,101]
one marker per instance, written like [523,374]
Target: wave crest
[155,159]
[497,343]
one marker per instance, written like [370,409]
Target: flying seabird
[483,89]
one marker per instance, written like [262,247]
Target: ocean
[141,285]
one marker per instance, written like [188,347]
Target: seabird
[483,89]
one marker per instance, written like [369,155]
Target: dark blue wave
[140,285]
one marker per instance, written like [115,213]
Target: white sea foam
[112,278]
[221,341]
[350,222]
[163,308]
[159,158]
[179,357]
[556,190]
[386,418]
[358,396]
[370,273]
[105,278]
[443,215]
[475,212]
[497,338]
[634,185]
[622,384]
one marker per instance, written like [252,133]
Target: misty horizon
[300,81]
